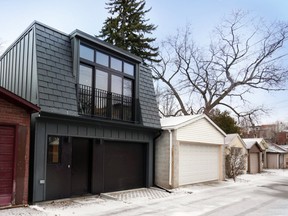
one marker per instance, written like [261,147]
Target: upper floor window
[87,53]
[103,59]
[106,85]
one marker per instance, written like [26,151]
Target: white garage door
[272,161]
[198,163]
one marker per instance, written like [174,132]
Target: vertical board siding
[16,68]
[200,131]
[59,127]
[95,131]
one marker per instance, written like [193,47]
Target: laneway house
[98,114]
[14,148]
[189,150]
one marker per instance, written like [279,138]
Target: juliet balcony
[108,105]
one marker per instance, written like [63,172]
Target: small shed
[14,148]
[255,163]
[189,150]
[275,156]
[235,141]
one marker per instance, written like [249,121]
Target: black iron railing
[100,103]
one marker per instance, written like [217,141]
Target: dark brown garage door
[124,166]
[7,139]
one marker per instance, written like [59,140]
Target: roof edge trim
[201,116]
[15,99]
[81,34]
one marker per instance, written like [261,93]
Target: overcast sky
[168,15]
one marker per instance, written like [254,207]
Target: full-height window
[106,85]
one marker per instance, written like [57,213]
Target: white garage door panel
[273,161]
[254,163]
[198,163]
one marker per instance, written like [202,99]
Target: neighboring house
[15,115]
[267,132]
[255,154]
[235,141]
[98,114]
[282,138]
[189,150]
[285,147]
[275,156]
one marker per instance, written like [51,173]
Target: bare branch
[240,59]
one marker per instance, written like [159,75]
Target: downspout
[170,157]
[154,156]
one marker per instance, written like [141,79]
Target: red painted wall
[14,115]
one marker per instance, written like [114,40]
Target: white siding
[200,131]
[198,163]
[162,160]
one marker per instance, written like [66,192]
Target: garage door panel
[272,161]
[254,163]
[124,166]
[6,163]
[198,163]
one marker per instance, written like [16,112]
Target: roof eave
[190,121]
[81,34]
[15,99]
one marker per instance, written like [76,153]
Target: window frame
[59,150]
[110,71]
[128,98]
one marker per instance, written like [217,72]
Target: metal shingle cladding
[57,85]
[147,98]
[57,89]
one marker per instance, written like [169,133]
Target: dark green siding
[17,68]
[45,127]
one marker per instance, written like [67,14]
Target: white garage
[189,150]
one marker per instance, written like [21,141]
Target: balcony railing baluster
[105,104]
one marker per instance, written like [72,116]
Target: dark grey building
[98,115]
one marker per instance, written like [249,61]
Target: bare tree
[1,47]
[166,101]
[242,57]
[235,161]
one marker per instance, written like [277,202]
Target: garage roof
[274,148]
[230,137]
[251,141]
[15,99]
[176,122]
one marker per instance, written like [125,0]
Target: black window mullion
[104,99]
[93,92]
[122,98]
